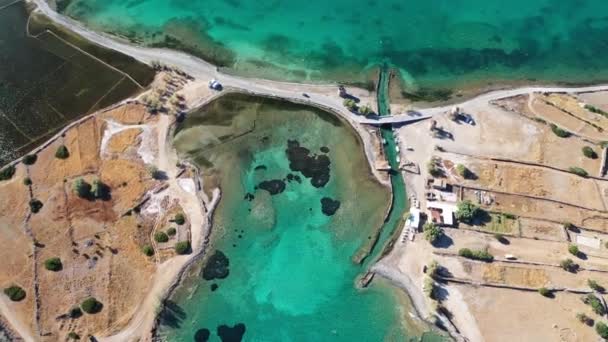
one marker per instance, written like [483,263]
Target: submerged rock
[202,335]
[231,334]
[216,267]
[313,166]
[249,197]
[325,149]
[260,167]
[329,206]
[274,187]
[214,287]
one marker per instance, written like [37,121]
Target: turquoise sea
[285,271]
[439,43]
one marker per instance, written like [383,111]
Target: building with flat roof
[442,213]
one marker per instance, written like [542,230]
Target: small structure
[442,213]
[413,221]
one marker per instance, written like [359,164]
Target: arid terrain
[541,196]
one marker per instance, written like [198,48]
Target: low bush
[53,264]
[14,293]
[161,237]
[596,110]
[545,292]
[182,247]
[350,105]
[171,231]
[573,249]
[583,318]
[73,336]
[82,188]
[432,232]
[463,171]
[589,152]
[560,132]
[29,159]
[595,286]
[429,287]
[75,312]
[579,171]
[602,330]
[365,110]
[148,250]
[27,181]
[568,265]
[481,255]
[595,304]
[91,305]
[62,152]
[432,269]
[35,205]
[466,211]
[7,173]
[179,219]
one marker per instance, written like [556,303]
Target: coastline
[411,290]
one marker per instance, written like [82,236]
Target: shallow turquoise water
[436,43]
[291,277]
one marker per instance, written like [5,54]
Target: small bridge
[399,119]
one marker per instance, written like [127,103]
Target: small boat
[397,148]
[383,141]
[398,159]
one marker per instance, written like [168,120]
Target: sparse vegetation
[171,231]
[182,247]
[432,232]
[579,171]
[589,152]
[595,286]
[35,205]
[568,265]
[29,159]
[432,269]
[62,152]
[560,132]
[73,336]
[53,264]
[481,255]
[429,287]
[82,188]
[161,237]
[596,110]
[466,211]
[583,318]
[14,293]
[365,110]
[595,304]
[7,173]
[602,330]
[91,305]
[350,104]
[545,292]
[463,171]
[179,219]
[75,312]
[148,250]
[433,167]
[99,189]
[573,249]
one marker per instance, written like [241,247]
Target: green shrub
[161,237]
[62,152]
[35,205]
[429,287]
[182,247]
[595,286]
[365,110]
[53,264]
[73,336]
[350,105]
[466,211]
[99,189]
[432,232]
[481,255]
[545,292]
[171,231]
[573,249]
[433,269]
[179,219]
[562,133]
[148,250]
[589,152]
[14,293]
[82,188]
[602,330]
[583,318]
[91,305]
[569,226]
[578,171]
[463,171]
[29,159]
[595,304]
[596,110]
[7,173]
[155,172]
[568,265]
[27,181]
